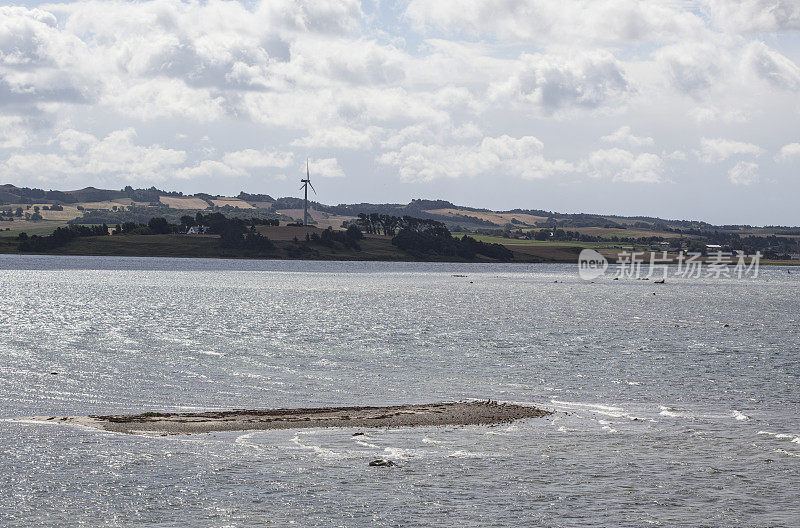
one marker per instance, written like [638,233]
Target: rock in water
[382,462]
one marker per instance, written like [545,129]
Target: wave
[468,454]
[598,408]
[795,439]
[740,415]
[672,412]
[320,451]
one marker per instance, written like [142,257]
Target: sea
[674,404]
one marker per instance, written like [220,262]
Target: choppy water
[665,415]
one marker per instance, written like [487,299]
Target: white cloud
[755,15]
[520,157]
[744,173]
[713,113]
[325,168]
[338,137]
[692,67]
[621,165]
[624,136]
[41,63]
[164,98]
[13,132]
[258,159]
[555,84]
[773,67]
[323,16]
[789,152]
[677,155]
[114,155]
[595,21]
[715,150]
[71,140]
[208,169]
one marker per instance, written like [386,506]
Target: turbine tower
[305,186]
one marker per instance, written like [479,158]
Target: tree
[354,233]
[159,226]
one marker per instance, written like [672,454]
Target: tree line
[423,237]
[60,237]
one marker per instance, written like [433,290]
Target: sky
[677,109]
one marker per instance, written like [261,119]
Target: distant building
[197,230]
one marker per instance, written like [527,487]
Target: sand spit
[448,413]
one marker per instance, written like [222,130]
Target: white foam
[467,454]
[740,416]
[320,451]
[598,408]
[671,412]
[795,439]
[396,452]
[592,406]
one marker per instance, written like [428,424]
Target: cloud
[258,159]
[624,166]
[789,152]
[520,157]
[337,137]
[72,140]
[773,67]
[361,62]
[164,98]
[715,150]
[554,84]
[240,163]
[82,154]
[321,16]
[325,168]
[744,173]
[208,169]
[749,16]
[41,63]
[624,136]
[568,21]
[13,132]
[692,67]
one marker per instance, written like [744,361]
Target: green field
[44,227]
[549,243]
[376,249]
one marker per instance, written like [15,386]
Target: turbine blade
[312,188]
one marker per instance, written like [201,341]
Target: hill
[39,211]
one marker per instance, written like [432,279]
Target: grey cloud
[775,68]
[553,84]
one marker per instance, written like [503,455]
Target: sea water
[674,404]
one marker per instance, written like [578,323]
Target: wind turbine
[304,187]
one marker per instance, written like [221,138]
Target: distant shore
[373,248]
[447,413]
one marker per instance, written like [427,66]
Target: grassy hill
[525,231]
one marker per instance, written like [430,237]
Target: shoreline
[414,415]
